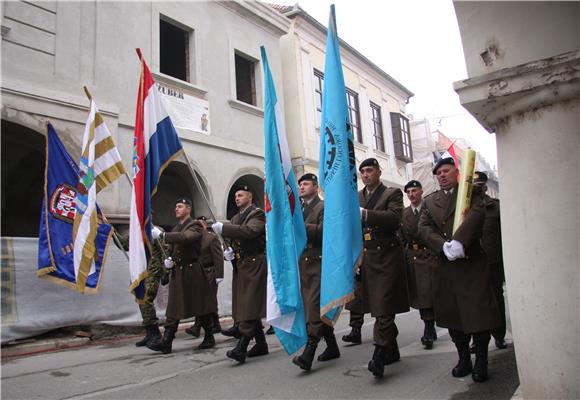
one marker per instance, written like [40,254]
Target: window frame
[402,137]
[354,110]
[318,78]
[377,122]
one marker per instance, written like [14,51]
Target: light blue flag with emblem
[285,230]
[342,230]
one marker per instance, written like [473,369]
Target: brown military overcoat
[310,266]
[212,257]
[190,292]
[250,272]
[421,262]
[463,296]
[383,284]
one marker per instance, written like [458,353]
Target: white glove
[168,263]
[456,248]
[361,212]
[156,232]
[229,254]
[218,280]
[217,227]
[447,251]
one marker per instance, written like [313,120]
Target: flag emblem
[63,203]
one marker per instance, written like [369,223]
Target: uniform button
[414,258]
[378,247]
[305,258]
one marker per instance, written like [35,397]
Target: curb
[68,343]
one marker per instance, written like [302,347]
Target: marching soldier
[155,275]
[190,291]
[247,230]
[383,282]
[310,270]
[212,262]
[421,263]
[463,298]
[491,243]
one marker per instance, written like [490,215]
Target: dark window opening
[174,51]
[245,80]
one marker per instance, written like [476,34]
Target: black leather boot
[152,335]
[234,331]
[208,340]
[304,361]
[377,363]
[194,330]
[261,346]
[239,352]
[479,373]
[427,339]
[464,366]
[331,352]
[432,331]
[353,337]
[217,328]
[392,354]
[164,344]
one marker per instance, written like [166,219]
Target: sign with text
[186,111]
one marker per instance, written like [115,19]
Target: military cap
[245,188]
[184,200]
[413,184]
[201,217]
[308,177]
[479,177]
[369,162]
[443,161]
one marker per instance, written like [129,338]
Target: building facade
[205,59]
[376,102]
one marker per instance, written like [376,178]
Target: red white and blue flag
[155,145]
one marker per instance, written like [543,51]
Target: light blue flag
[285,230]
[342,231]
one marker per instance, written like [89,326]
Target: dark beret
[443,161]
[413,184]
[201,217]
[308,177]
[184,200]
[480,177]
[369,162]
[245,188]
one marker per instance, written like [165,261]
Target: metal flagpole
[199,187]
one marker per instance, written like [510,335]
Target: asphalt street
[119,370]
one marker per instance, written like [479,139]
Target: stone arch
[256,186]
[177,181]
[22,163]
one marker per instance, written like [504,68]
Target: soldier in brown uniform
[383,288]
[463,298]
[212,261]
[247,229]
[310,269]
[190,292]
[421,263]
[491,243]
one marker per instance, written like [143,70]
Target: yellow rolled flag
[465,185]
